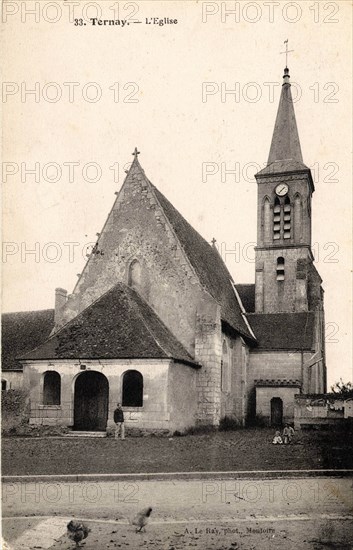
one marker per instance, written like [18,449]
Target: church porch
[82,395]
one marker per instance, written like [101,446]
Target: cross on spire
[213,241]
[287,52]
[135,153]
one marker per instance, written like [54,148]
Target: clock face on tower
[281,189]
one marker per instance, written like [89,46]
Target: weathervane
[287,52]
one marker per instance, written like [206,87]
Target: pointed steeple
[285,143]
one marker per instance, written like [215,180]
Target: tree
[342,388]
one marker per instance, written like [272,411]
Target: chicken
[141,519]
[77,531]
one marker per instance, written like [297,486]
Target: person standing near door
[119,422]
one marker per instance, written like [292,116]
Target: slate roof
[21,332]
[208,265]
[285,140]
[119,325]
[247,296]
[284,166]
[288,331]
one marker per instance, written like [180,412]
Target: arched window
[287,219]
[132,389]
[134,278]
[282,214]
[280,269]
[3,385]
[277,220]
[51,388]
[226,372]
[266,219]
[298,218]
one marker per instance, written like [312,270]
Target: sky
[198,97]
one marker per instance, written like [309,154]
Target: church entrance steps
[85,434]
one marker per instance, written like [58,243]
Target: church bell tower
[286,279]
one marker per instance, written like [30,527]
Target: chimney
[60,301]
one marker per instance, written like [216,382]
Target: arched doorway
[276,411]
[91,402]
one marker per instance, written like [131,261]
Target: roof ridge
[243,312]
[56,333]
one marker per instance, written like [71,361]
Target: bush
[14,411]
[200,429]
[258,421]
[229,423]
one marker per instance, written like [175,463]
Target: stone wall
[322,409]
[182,396]
[233,396]
[289,295]
[208,352]
[274,365]
[13,378]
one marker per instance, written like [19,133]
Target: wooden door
[276,411]
[91,402]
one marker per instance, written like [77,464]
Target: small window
[132,389]
[51,388]
[3,385]
[134,273]
[280,269]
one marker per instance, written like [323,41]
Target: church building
[157,322]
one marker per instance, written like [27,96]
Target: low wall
[321,410]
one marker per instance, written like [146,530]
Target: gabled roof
[204,259]
[287,331]
[247,295]
[21,332]
[119,325]
[208,265]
